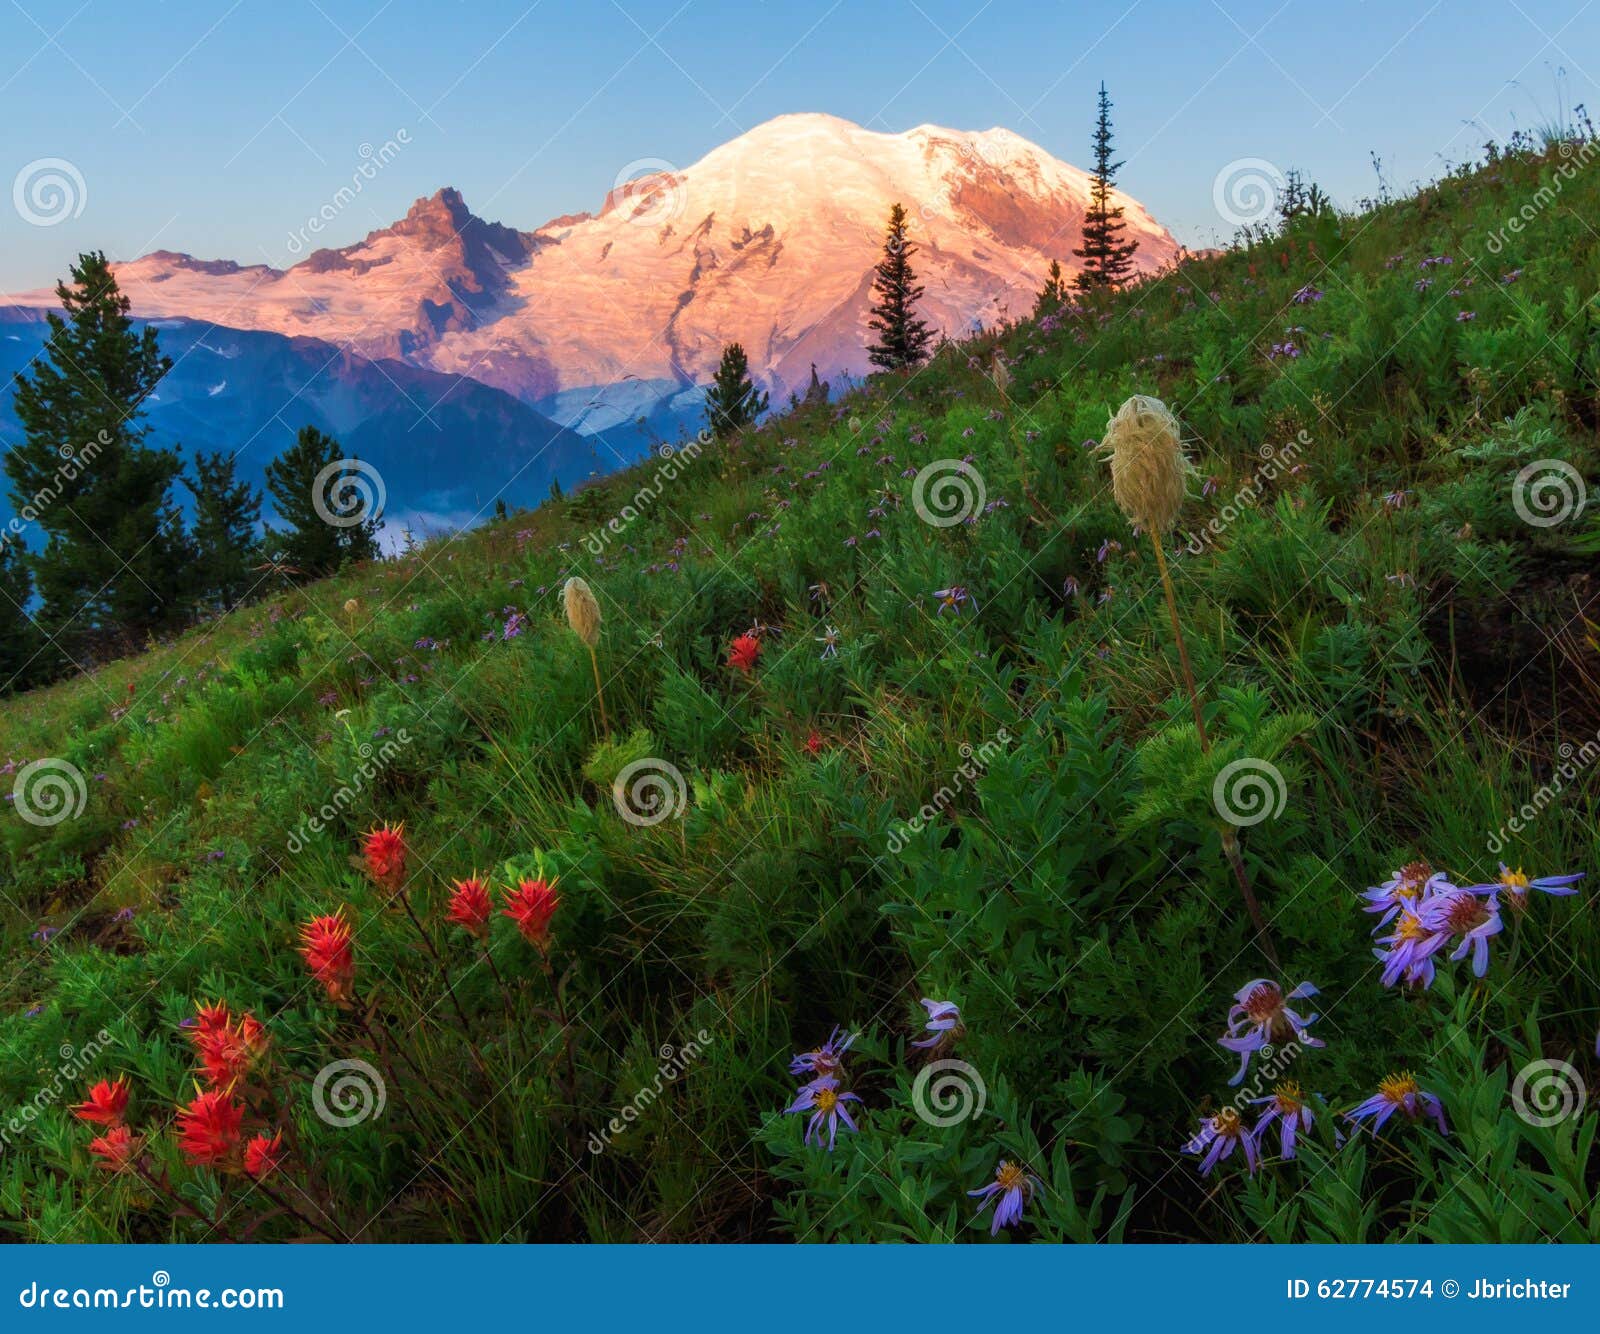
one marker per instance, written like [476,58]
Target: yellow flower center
[1290,1098]
[1010,1176]
[1515,881]
[1409,927]
[827,1100]
[1397,1087]
[1226,1122]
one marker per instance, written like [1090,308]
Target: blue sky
[219,128]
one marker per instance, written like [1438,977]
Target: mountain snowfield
[769,240]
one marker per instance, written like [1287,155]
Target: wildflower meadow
[1128,777]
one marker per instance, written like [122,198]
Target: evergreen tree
[816,391]
[225,517]
[114,563]
[1053,295]
[20,639]
[902,338]
[1107,258]
[733,402]
[312,544]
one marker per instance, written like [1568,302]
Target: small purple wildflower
[821,1097]
[943,1025]
[1013,1185]
[1399,1093]
[1218,1136]
[1261,1015]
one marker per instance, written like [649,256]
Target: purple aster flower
[1261,1015]
[1407,887]
[1069,587]
[1513,886]
[953,598]
[1306,296]
[1286,1105]
[1412,945]
[1216,1140]
[123,915]
[1399,1093]
[821,1097]
[1471,916]
[1013,1185]
[45,934]
[944,1023]
[826,1060]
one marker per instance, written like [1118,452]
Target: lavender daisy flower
[1261,1015]
[829,639]
[1399,1093]
[1217,1138]
[953,598]
[1286,1105]
[1408,886]
[1412,945]
[944,1023]
[826,1104]
[1469,916]
[824,1061]
[1513,886]
[1013,1185]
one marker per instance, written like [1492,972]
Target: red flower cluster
[744,653]
[209,1128]
[384,853]
[326,947]
[106,1103]
[263,1154]
[227,1050]
[531,905]
[115,1148]
[470,906]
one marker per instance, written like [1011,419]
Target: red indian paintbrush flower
[115,1148]
[384,852]
[227,1053]
[105,1104]
[531,905]
[263,1154]
[209,1018]
[744,653]
[470,906]
[326,948]
[209,1128]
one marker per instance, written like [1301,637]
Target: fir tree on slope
[225,518]
[1053,295]
[1107,258]
[733,403]
[902,338]
[302,494]
[115,562]
[19,637]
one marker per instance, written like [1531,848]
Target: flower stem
[1230,835]
[598,692]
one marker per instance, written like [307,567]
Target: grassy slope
[1410,671]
